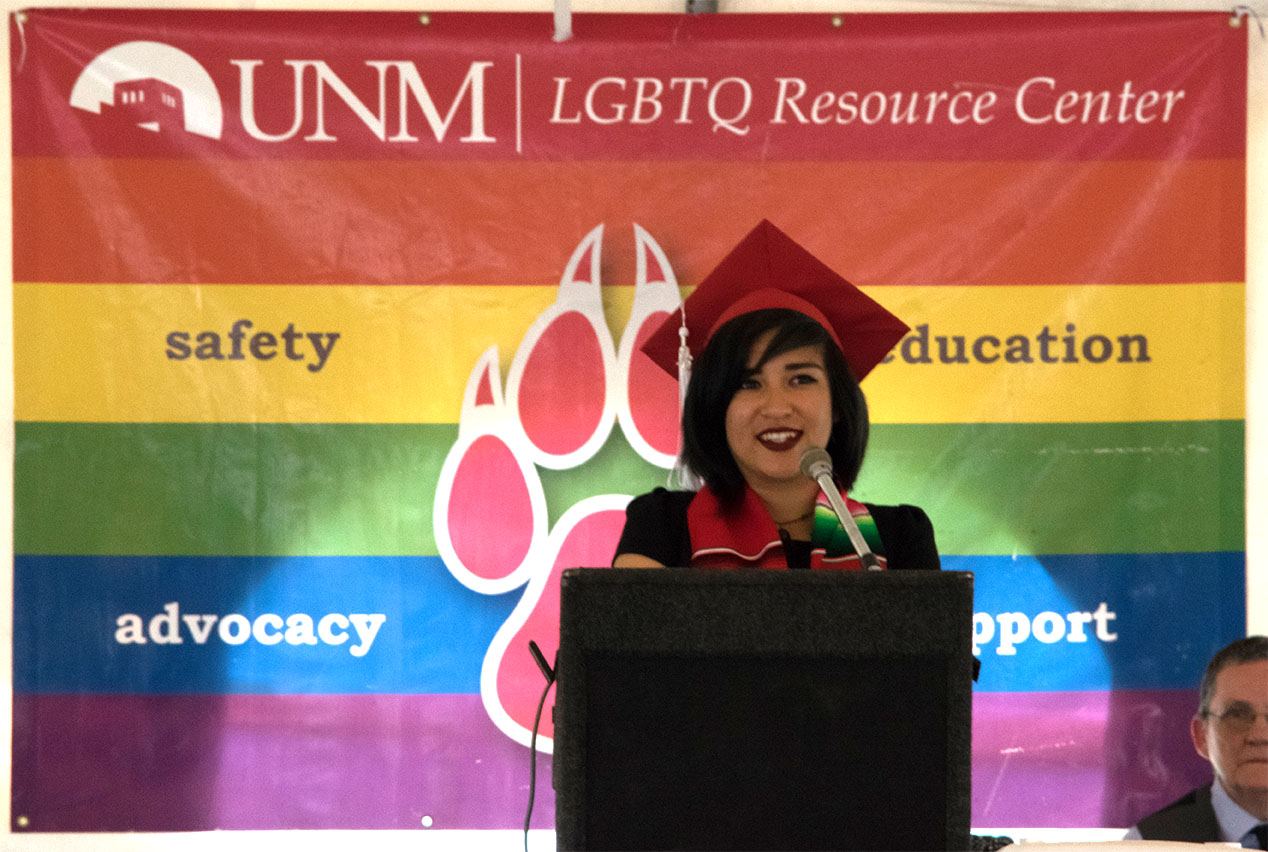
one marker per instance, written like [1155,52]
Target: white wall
[1256,379]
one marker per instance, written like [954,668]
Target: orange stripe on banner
[330,222]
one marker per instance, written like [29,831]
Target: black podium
[753,709]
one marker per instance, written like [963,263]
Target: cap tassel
[684,365]
[680,476]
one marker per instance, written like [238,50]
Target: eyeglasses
[1236,720]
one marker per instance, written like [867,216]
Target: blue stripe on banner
[248,625]
[318,625]
[1107,621]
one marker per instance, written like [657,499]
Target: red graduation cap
[769,270]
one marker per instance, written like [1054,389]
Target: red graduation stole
[749,538]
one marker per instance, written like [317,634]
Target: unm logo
[153,86]
[567,385]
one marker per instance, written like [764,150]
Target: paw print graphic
[567,385]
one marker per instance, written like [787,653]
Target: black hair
[1250,649]
[721,368]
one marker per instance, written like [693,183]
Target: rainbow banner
[326,349]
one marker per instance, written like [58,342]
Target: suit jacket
[1190,818]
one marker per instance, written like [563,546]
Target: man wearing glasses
[1230,730]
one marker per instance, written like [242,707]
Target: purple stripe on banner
[181,763]
[1081,759]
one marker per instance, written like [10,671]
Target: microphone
[817,465]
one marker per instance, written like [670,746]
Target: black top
[656,527]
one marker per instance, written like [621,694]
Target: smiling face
[782,408]
[1239,755]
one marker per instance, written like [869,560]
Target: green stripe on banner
[194,489]
[1054,488]
[236,489]
[302,489]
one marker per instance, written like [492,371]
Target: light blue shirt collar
[1234,822]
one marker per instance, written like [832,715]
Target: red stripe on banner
[413,223]
[464,86]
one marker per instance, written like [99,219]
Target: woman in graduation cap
[780,343]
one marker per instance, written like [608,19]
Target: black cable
[532,743]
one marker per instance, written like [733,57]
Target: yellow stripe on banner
[102,353]
[1054,354]
[145,353]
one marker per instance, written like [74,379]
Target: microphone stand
[819,468]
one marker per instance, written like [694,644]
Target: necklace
[794,520]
